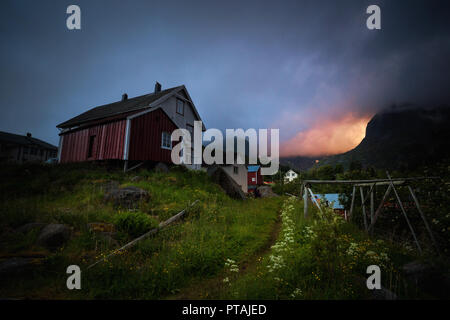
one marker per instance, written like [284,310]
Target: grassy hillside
[216,229]
[224,248]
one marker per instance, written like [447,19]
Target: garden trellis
[369,197]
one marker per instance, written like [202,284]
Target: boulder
[376,294]
[110,186]
[161,167]
[383,294]
[128,197]
[54,235]
[14,265]
[427,278]
[30,226]
[265,192]
[414,268]
[416,272]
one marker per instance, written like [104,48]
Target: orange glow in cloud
[327,137]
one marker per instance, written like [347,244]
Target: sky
[309,68]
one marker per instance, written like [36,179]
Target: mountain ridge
[400,137]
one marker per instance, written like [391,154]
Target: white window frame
[182,104]
[163,145]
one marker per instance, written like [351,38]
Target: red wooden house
[254,178]
[136,129]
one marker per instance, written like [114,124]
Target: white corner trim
[127,140]
[61,140]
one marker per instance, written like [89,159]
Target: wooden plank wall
[109,143]
[145,137]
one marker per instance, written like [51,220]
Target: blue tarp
[331,198]
[252,168]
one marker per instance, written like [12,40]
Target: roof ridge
[24,139]
[121,106]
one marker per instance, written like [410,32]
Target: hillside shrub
[134,223]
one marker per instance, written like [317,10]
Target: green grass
[216,228]
[321,257]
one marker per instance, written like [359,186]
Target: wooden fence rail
[149,233]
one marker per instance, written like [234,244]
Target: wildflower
[370,253]
[297,292]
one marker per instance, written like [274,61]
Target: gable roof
[253,168]
[24,140]
[121,107]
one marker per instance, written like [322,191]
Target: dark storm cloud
[283,64]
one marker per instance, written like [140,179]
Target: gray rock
[383,294]
[414,267]
[14,265]
[161,167]
[265,192]
[54,235]
[378,294]
[30,226]
[128,197]
[422,275]
[110,186]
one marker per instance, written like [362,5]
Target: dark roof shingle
[116,108]
[24,140]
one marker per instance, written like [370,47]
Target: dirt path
[210,288]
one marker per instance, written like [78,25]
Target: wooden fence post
[371,206]
[363,207]
[313,199]
[305,201]
[352,204]
[385,196]
[404,213]
[424,219]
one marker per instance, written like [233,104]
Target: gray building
[18,148]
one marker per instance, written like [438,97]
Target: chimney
[157,87]
[28,134]
[124,97]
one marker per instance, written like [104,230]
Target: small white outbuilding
[290,175]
